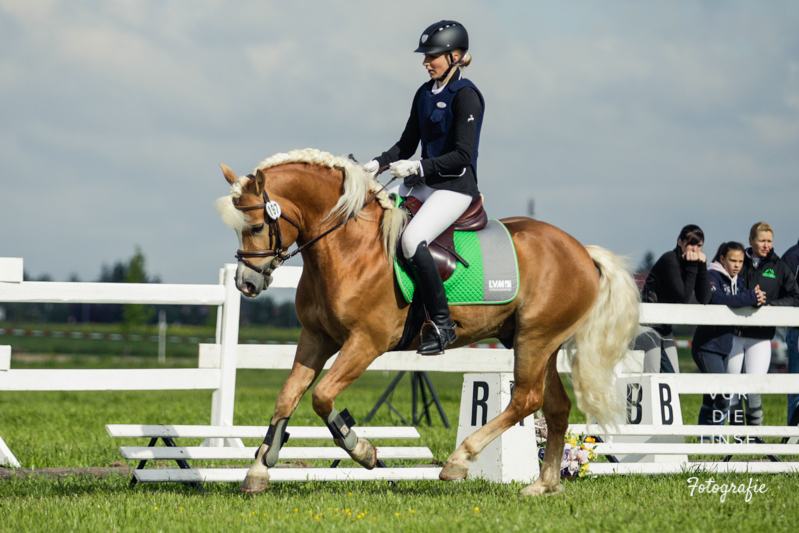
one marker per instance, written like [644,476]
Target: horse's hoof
[539,490]
[365,454]
[254,485]
[454,471]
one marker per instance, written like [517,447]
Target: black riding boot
[442,332]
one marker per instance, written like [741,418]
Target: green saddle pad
[492,276]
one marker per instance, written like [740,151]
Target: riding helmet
[444,36]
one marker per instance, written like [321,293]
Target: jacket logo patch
[769,273]
[441,105]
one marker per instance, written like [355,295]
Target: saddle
[443,247]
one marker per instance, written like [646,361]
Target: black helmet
[444,36]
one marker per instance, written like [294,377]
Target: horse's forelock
[232,217]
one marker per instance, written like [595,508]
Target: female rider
[751,346]
[712,345]
[446,116]
[675,277]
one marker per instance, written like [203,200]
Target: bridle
[272,215]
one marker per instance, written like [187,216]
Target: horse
[581,298]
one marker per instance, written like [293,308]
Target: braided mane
[358,185]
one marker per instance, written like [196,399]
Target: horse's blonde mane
[357,185]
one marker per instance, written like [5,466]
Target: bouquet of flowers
[579,450]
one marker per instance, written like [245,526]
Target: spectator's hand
[372,167]
[690,255]
[761,296]
[404,168]
[702,257]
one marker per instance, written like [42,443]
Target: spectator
[791,260]
[677,276]
[764,269]
[712,345]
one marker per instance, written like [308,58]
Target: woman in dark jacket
[712,345]
[446,117]
[675,278]
[764,269]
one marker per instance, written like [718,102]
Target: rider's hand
[404,168]
[372,167]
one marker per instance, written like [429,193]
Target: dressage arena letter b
[666,411]
[634,403]
[482,402]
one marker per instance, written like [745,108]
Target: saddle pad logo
[769,273]
[499,285]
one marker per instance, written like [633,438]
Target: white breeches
[752,356]
[439,210]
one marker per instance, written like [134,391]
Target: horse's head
[257,220]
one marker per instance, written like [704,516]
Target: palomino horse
[348,301]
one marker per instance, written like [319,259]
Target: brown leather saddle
[443,247]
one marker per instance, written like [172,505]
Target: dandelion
[296,510]
[476,509]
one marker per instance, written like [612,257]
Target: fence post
[223,399]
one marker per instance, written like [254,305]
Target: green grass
[66,429]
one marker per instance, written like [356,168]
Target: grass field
[66,429]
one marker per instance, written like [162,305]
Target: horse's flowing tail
[603,339]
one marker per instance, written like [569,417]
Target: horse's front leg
[353,360]
[311,356]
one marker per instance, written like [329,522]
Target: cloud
[623,121]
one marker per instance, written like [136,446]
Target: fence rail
[218,362]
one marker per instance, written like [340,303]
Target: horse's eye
[257,229]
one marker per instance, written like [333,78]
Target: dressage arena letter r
[482,402]
[665,405]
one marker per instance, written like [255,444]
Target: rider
[446,116]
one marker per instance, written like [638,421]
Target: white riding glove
[404,168]
[372,167]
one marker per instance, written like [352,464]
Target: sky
[622,121]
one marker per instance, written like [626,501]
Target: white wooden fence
[218,362]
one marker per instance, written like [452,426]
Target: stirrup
[439,338]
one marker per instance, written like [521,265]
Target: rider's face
[437,64]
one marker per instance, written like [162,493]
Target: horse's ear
[230,176]
[259,182]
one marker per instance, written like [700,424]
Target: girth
[443,247]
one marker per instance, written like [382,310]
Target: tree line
[260,311]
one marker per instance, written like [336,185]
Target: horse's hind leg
[556,411]
[308,363]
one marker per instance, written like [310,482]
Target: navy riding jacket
[723,291]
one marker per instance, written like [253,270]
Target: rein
[272,215]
